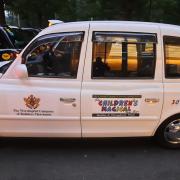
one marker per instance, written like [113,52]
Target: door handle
[67,100]
[151,100]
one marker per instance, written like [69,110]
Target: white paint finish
[122,126]
[39,128]
[118,127]
[65,121]
[148,112]
[12,100]
[49,94]
[171,86]
[171,92]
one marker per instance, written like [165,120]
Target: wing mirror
[21,71]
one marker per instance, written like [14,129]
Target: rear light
[9,56]
[6,56]
[13,55]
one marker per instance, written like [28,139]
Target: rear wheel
[168,134]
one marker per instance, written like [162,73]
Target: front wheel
[168,134]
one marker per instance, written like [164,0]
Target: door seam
[82,80]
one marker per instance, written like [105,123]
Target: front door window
[55,55]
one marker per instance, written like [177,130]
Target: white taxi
[95,79]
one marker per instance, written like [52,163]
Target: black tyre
[168,134]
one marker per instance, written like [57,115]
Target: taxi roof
[82,25]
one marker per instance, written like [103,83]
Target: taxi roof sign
[54,21]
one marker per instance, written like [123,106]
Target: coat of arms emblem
[32,102]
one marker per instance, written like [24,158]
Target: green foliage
[37,12]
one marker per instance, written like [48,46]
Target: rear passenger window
[123,55]
[172,56]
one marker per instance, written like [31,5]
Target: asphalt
[68,159]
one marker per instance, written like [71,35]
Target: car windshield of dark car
[4,43]
[22,37]
[27,36]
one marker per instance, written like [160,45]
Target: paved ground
[124,159]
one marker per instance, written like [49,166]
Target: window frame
[32,46]
[125,78]
[164,48]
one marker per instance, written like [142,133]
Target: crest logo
[32,102]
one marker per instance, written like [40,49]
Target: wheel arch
[174,116]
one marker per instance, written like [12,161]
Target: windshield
[4,42]
[22,36]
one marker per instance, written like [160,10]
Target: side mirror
[21,71]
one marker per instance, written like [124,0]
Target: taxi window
[172,56]
[54,55]
[123,55]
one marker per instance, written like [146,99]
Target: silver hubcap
[172,132]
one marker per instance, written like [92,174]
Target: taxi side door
[122,91]
[47,103]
